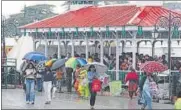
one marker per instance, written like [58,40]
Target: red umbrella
[153,66]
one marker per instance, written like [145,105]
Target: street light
[3,43]
[155,35]
[168,23]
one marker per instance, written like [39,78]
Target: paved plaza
[15,98]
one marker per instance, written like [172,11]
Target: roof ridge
[135,16]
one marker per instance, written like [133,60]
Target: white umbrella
[100,68]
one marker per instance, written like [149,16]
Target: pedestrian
[178,101]
[92,75]
[30,73]
[59,77]
[83,86]
[39,81]
[76,82]
[132,79]
[149,90]
[176,84]
[47,83]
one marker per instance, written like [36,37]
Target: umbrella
[72,62]
[153,66]
[36,57]
[26,55]
[57,64]
[100,68]
[41,65]
[49,63]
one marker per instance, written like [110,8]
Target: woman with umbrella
[132,80]
[91,76]
[150,88]
[29,73]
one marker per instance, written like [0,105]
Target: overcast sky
[12,7]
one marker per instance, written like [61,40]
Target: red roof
[105,16]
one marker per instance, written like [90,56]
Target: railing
[8,73]
[122,74]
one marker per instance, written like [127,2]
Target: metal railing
[122,74]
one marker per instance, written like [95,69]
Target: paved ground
[15,98]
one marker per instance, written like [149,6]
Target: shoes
[27,102]
[48,102]
[92,107]
[32,103]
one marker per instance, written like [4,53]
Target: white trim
[99,29]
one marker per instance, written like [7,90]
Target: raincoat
[178,104]
[132,77]
[146,94]
[83,85]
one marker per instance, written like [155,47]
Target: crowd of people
[83,80]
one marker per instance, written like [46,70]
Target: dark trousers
[93,95]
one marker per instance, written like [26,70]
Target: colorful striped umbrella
[72,62]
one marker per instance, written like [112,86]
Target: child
[84,88]
[178,102]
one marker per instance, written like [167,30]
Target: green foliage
[27,15]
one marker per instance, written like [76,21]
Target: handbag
[140,100]
[127,83]
[153,88]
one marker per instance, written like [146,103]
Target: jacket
[47,76]
[142,81]
[178,104]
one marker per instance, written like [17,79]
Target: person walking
[47,83]
[59,79]
[91,76]
[39,81]
[30,73]
[147,93]
[132,80]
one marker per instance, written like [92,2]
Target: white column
[102,51]
[109,50]
[86,48]
[134,45]
[34,45]
[58,47]
[72,40]
[46,47]
[117,56]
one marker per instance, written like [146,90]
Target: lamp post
[3,42]
[155,35]
[168,23]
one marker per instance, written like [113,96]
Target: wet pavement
[15,98]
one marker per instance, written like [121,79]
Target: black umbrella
[57,64]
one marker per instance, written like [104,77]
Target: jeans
[59,84]
[30,90]
[93,95]
[39,84]
[47,87]
[148,100]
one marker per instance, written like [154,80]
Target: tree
[27,15]
[68,4]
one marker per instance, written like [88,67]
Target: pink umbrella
[153,66]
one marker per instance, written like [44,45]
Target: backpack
[96,85]
[153,88]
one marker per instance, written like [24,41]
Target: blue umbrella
[81,61]
[26,55]
[36,57]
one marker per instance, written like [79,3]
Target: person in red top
[132,80]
